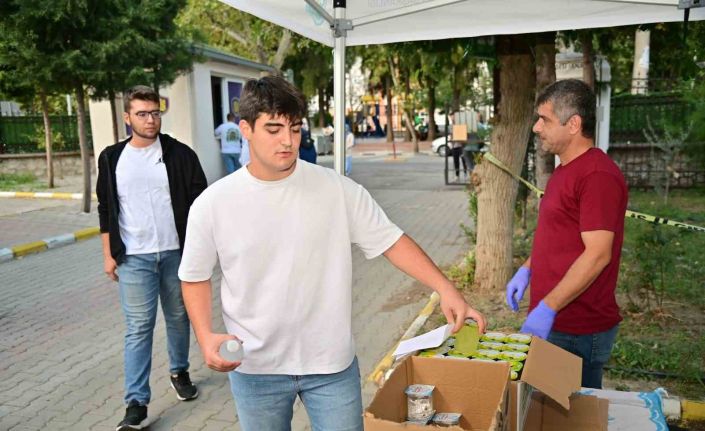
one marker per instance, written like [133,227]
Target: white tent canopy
[362,22]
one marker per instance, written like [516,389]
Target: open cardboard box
[587,413]
[477,390]
[550,369]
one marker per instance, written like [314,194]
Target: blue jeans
[265,401]
[232,162]
[594,349]
[143,279]
[348,164]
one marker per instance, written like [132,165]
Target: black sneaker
[135,418]
[185,390]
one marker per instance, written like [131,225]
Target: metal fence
[643,166]
[26,134]
[630,115]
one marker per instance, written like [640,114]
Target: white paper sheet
[428,340]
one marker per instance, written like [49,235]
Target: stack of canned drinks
[493,347]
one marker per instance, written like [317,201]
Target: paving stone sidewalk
[61,328]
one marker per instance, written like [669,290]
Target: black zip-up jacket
[186,182]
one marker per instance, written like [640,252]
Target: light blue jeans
[265,402]
[348,164]
[594,349]
[232,162]
[143,280]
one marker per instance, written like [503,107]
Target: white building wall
[190,113]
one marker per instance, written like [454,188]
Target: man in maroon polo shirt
[577,246]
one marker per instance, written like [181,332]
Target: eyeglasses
[142,115]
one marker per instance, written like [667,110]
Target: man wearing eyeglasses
[146,185]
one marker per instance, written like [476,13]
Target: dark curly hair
[272,95]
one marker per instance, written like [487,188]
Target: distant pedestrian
[245,154]
[307,151]
[146,185]
[230,143]
[282,231]
[349,144]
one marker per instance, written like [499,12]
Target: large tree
[28,71]
[545,49]
[312,65]
[239,32]
[496,191]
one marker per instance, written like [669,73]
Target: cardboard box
[477,390]
[587,413]
[460,133]
[550,369]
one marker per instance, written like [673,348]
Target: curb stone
[9,253]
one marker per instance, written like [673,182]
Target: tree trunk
[282,49]
[410,130]
[113,114]
[321,107]
[431,110]
[545,76]
[85,151]
[588,66]
[457,85]
[47,139]
[390,110]
[409,114]
[496,191]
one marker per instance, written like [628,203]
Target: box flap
[389,407]
[587,413]
[553,371]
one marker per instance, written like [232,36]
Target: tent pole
[339,91]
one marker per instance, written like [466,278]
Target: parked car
[439,146]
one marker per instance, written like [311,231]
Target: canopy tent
[339,23]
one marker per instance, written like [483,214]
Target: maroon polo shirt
[587,194]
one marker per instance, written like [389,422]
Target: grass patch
[14,182]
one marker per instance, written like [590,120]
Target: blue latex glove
[517,286]
[540,321]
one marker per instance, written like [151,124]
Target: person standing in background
[230,144]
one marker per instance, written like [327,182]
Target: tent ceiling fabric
[465,19]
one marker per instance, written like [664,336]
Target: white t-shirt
[230,137]
[284,250]
[146,217]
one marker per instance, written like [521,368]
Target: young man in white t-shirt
[146,185]
[267,225]
[230,143]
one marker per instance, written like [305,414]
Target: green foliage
[680,353]
[662,263]
[237,32]
[58,142]
[695,94]
[10,182]
[669,145]
[463,274]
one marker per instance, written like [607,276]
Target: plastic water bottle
[231,350]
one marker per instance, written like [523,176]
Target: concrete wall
[65,164]
[190,113]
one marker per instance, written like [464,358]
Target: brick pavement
[61,327]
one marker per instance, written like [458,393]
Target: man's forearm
[579,277]
[406,255]
[197,299]
[105,239]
